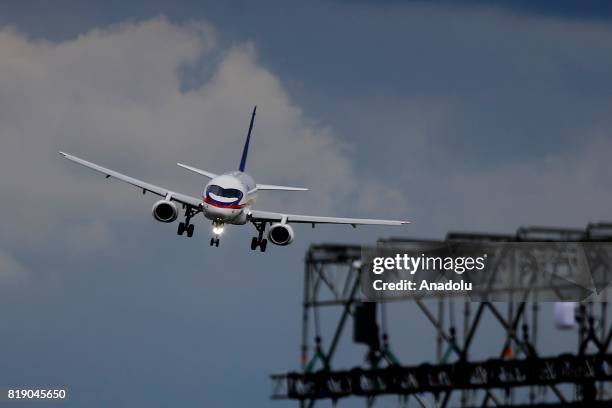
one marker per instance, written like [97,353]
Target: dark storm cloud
[589,9]
[468,118]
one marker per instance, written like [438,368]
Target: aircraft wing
[181,198]
[309,219]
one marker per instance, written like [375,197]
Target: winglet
[245,151]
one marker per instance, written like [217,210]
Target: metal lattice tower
[517,375]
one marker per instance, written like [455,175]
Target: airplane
[228,199]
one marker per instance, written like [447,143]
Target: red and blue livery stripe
[220,204]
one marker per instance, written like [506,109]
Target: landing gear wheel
[259,240]
[217,242]
[190,229]
[181,228]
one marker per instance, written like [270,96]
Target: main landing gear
[187,227]
[259,240]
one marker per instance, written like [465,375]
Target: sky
[479,116]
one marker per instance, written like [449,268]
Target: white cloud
[115,96]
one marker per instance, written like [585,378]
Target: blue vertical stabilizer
[245,151]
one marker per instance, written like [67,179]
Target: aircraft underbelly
[225,215]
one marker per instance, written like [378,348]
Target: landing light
[218,230]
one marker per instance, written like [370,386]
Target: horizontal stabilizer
[280,188]
[196,170]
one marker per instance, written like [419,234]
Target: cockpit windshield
[229,194]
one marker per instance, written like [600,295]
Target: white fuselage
[228,197]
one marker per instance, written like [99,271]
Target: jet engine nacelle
[165,211]
[280,234]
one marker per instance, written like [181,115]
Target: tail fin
[245,151]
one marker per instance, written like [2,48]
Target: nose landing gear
[259,240]
[217,230]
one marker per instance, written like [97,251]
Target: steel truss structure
[332,280]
